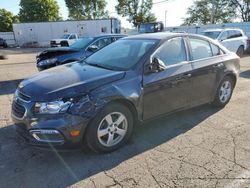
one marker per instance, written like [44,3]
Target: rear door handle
[218,65]
[184,76]
[187,75]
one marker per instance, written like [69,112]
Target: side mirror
[156,65]
[93,48]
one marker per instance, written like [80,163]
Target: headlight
[54,107]
[47,62]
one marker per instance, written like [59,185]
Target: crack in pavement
[152,175]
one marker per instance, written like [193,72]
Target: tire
[224,92]
[240,51]
[104,134]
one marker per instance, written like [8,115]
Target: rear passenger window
[172,51]
[231,34]
[238,34]
[200,49]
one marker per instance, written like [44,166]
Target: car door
[206,64]
[168,90]
[72,39]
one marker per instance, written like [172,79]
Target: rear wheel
[240,51]
[224,92]
[110,129]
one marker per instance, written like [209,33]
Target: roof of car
[105,35]
[160,35]
[220,29]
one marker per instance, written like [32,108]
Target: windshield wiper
[100,65]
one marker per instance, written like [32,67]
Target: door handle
[218,65]
[187,75]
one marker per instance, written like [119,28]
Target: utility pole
[165,18]
[213,12]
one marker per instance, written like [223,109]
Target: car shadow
[32,167]
[245,74]
[9,86]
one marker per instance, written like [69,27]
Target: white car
[234,40]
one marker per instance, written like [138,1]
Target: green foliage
[86,9]
[210,12]
[39,10]
[6,20]
[243,9]
[136,10]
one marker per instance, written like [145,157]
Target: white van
[233,39]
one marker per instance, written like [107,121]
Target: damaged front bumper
[62,130]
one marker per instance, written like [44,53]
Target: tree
[6,20]
[210,12]
[136,10]
[243,8]
[39,10]
[86,9]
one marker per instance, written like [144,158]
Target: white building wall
[43,32]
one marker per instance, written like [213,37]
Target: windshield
[212,34]
[121,55]
[66,36]
[82,43]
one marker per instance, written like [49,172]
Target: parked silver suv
[233,39]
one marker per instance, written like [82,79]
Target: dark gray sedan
[81,49]
[99,100]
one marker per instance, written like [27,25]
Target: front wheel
[224,92]
[110,129]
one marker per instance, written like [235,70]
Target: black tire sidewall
[91,133]
[217,102]
[240,51]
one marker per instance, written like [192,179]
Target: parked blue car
[81,49]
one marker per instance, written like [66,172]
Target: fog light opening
[47,136]
[75,133]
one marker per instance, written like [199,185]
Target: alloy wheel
[112,129]
[225,91]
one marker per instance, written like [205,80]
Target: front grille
[18,110]
[23,96]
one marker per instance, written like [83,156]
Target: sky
[170,12]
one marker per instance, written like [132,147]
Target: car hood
[52,52]
[67,80]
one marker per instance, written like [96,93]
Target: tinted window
[200,48]
[82,43]
[224,35]
[66,36]
[115,38]
[102,42]
[172,51]
[238,33]
[121,55]
[231,34]
[212,34]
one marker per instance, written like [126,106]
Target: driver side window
[172,52]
